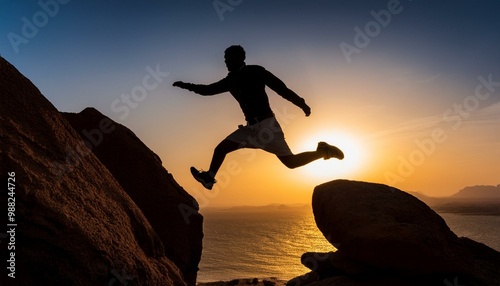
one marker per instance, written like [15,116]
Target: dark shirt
[247,86]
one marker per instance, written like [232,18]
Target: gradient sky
[408,99]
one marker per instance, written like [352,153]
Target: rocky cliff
[72,221]
[385,236]
[171,211]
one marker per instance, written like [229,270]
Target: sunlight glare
[333,168]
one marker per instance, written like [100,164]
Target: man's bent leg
[301,159]
[323,150]
[225,146]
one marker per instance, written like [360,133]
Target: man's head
[234,57]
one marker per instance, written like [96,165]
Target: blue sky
[109,42]
[423,60]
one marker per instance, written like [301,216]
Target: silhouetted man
[247,83]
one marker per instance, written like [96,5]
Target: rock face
[75,223]
[172,212]
[397,231]
[387,237]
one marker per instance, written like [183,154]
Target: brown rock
[172,212]
[374,281]
[75,224]
[387,237]
[387,229]
[332,264]
[487,261]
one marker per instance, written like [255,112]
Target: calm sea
[269,242]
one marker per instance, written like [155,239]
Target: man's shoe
[203,177]
[329,151]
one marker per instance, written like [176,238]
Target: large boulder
[387,229]
[172,212]
[388,237]
[75,223]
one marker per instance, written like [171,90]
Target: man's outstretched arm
[280,88]
[204,89]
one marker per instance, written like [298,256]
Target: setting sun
[328,169]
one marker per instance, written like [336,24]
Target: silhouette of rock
[332,264]
[387,237]
[172,212]
[272,281]
[487,261]
[75,223]
[397,231]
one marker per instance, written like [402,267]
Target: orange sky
[408,142]
[414,103]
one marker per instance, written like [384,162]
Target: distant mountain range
[479,192]
[481,200]
[467,193]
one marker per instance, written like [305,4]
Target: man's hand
[179,84]
[306,109]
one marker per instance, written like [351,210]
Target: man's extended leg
[207,179]
[301,159]
[225,146]
[324,151]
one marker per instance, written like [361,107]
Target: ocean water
[269,242]
[481,228]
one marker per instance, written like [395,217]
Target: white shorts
[266,135]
